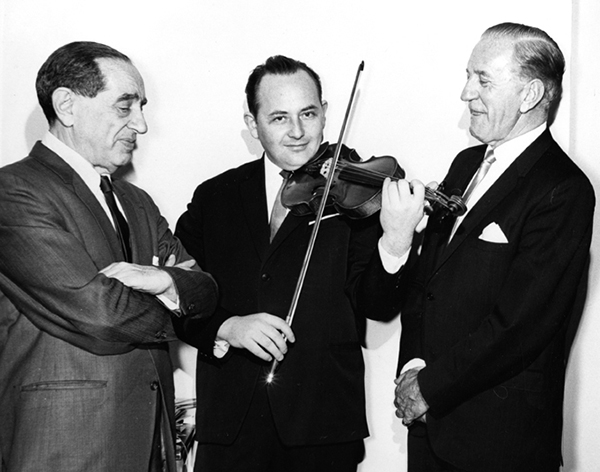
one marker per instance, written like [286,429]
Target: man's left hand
[402,208]
[410,404]
[147,279]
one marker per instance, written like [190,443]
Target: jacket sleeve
[197,289]
[530,305]
[197,332]
[374,293]
[49,274]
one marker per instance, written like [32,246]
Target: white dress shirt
[91,178]
[505,155]
[273,180]
[82,167]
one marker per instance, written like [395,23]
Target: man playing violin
[312,415]
[492,294]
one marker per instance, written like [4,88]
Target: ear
[251,124]
[533,94]
[63,102]
[324,105]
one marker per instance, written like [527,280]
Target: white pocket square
[492,233]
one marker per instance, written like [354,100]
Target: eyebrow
[281,112]
[479,73]
[132,97]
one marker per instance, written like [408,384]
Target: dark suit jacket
[489,319]
[318,396]
[83,359]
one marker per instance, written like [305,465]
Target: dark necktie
[118,218]
[278,212]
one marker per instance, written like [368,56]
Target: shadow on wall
[35,127]
[253,145]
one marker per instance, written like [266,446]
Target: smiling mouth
[297,147]
[129,144]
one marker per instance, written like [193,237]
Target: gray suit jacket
[84,360]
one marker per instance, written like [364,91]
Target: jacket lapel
[505,184]
[73,183]
[497,192]
[288,226]
[253,201]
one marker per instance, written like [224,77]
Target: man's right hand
[262,334]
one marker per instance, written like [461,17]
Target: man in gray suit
[92,278]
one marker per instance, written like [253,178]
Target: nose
[469,91]
[296,129]
[138,122]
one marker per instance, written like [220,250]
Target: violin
[356,186]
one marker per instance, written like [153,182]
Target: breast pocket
[489,246]
[62,393]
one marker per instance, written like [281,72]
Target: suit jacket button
[265,277]
[430,296]
[154,385]
[161,335]
[191,307]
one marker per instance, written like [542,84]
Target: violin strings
[351,173]
[374,178]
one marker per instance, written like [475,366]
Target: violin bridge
[326,167]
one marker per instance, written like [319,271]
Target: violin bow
[300,283]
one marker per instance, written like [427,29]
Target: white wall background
[196,55]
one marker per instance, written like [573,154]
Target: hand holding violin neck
[356,187]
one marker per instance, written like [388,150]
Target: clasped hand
[410,404]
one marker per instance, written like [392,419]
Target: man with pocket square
[490,294]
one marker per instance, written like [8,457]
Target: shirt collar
[512,149]
[80,165]
[272,176]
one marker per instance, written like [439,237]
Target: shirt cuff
[220,349]
[415,363]
[391,263]
[173,306]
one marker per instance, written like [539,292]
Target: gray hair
[537,55]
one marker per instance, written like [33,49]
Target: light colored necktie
[488,160]
[279,212]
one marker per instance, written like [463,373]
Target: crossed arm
[148,279]
[51,267]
